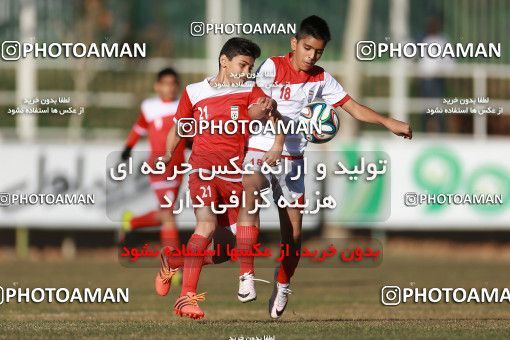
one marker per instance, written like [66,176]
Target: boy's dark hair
[168,71]
[240,46]
[314,26]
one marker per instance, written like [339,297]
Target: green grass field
[326,303]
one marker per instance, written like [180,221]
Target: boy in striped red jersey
[154,121]
[218,99]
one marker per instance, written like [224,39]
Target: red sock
[288,266]
[177,261]
[246,237]
[193,264]
[169,237]
[208,260]
[149,219]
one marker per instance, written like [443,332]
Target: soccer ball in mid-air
[321,120]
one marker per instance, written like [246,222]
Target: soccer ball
[321,120]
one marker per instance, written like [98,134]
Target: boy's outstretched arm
[138,129]
[366,114]
[172,140]
[273,155]
[266,108]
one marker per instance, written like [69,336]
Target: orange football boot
[187,305]
[164,276]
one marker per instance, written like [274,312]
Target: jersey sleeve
[138,129]
[256,93]
[185,108]
[333,93]
[265,76]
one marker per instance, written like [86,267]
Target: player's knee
[296,237]
[205,229]
[166,216]
[249,188]
[253,182]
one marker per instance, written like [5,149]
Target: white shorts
[289,182]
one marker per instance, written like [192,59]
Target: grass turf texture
[334,303]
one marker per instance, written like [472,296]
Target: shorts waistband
[289,157]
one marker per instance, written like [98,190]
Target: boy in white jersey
[294,81]
[155,120]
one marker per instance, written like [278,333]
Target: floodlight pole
[399,29]
[26,88]
[355,30]
[26,72]
[219,12]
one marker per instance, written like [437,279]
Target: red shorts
[166,191]
[160,183]
[219,191]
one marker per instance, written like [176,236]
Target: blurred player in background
[221,98]
[155,120]
[293,81]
